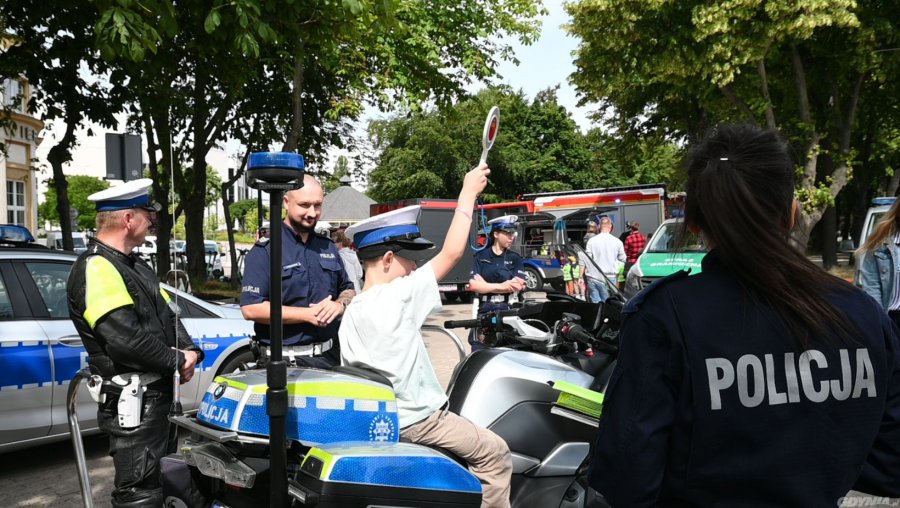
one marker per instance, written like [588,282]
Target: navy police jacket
[713,404]
[310,273]
[494,268]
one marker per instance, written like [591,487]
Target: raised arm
[458,235]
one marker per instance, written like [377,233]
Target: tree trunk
[60,154]
[162,188]
[293,138]
[227,200]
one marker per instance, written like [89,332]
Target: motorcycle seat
[371,375]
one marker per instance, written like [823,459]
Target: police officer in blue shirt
[762,380]
[315,287]
[497,273]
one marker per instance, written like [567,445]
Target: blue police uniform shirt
[310,273]
[712,403]
[496,269]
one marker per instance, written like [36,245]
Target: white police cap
[133,194]
[395,231]
[506,223]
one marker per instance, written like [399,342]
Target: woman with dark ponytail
[762,380]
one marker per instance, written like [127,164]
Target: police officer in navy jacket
[315,286]
[497,272]
[763,380]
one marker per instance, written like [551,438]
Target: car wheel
[558,285]
[465,297]
[533,280]
[451,296]
[238,362]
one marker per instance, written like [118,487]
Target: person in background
[608,254]
[350,259]
[880,262]
[497,273]
[634,245]
[572,275]
[381,332]
[314,285]
[627,231]
[760,381]
[591,232]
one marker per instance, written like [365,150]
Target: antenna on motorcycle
[276,173]
[488,136]
[175,409]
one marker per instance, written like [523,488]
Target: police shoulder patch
[635,303]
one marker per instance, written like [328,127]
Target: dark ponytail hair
[740,191]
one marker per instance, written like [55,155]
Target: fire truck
[645,204]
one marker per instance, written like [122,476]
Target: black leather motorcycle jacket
[123,315]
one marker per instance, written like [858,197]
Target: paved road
[46,475]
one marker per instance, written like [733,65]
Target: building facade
[20,137]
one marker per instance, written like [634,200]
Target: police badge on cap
[133,194]
[396,231]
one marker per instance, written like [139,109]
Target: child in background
[577,283]
[380,331]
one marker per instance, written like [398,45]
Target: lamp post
[276,173]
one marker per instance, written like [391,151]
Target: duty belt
[292,352]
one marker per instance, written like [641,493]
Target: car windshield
[78,242]
[666,239]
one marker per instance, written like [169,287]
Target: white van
[79,241]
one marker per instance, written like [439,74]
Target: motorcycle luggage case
[323,406]
[345,475]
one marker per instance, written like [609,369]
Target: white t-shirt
[608,252]
[381,331]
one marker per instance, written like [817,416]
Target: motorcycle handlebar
[461,323]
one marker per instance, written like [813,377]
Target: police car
[663,255]
[40,351]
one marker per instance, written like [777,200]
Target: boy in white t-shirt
[380,331]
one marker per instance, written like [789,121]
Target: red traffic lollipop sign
[491,128]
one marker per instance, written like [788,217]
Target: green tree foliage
[426,154]
[331,181]
[52,45]
[244,210]
[293,71]
[79,188]
[628,160]
[802,67]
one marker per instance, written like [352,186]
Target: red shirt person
[634,244]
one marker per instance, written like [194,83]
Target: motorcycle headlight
[215,461]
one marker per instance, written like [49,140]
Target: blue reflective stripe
[122,204]
[374,236]
[214,347]
[24,366]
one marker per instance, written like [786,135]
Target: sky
[544,64]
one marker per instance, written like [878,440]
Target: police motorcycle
[343,435]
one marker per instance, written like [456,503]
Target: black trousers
[136,452]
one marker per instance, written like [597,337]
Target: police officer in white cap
[497,273]
[134,340]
